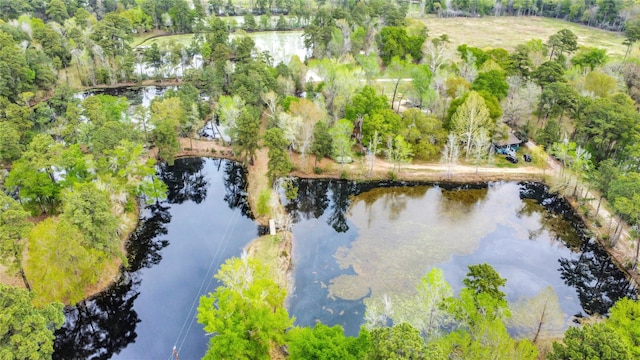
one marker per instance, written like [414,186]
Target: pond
[351,241]
[172,257]
[281,45]
[141,95]
[354,241]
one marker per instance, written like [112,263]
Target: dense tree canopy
[26,331]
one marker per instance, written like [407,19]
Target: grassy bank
[507,32]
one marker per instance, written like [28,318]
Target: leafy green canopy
[26,332]
[245,315]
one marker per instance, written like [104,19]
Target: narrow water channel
[172,257]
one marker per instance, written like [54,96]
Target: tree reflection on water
[185,180]
[235,185]
[105,324]
[597,280]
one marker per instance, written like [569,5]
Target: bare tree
[538,317]
[270,99]
[450,152]
[470,120]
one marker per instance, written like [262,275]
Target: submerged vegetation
[377,87]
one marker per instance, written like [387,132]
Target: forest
[75,170]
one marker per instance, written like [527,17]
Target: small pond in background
[358,240]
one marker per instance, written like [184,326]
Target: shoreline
[412,173]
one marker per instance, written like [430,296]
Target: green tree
[322,142]
[547,73]
[57,11]
[493,81]
[589,57]
[624,317]
[564,41]
[10,146]
[14,227]
[279,164]
[341,139]
[39,191]
[165,136]
[166,115]
[593,341]
[402,341]
[245,314]
[484,279]
[323,342]
[26,331]
[470,119]
[395,41]
[246,135]
[88,208]
[425,133]
[59,265]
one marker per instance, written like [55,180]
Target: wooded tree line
[245,318]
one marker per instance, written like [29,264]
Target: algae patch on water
[403,232]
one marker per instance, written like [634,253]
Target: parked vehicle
[527,157]
[511,159]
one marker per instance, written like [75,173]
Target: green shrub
[317,170]
[263,202]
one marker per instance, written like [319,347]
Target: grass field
[163,41]
[507,32]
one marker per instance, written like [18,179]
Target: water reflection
[185,180]
[366,240]
[101,327]
[598,282]
[135,95]
[172,256]
[235,185]
[106,324]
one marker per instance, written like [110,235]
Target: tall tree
[322,342]
[246,314]
[279,164]
[88,208]
[538,317]
[26,331]
[341,139]
[246,135]
[14,228]
[470,120]
[322,141]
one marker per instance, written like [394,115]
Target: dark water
[354,241]
[177,248]
[140,95]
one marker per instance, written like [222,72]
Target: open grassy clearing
[163,41]
[507,32]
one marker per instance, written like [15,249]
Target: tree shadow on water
[185,180]
[99,327]
[105,324]
[597,280]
